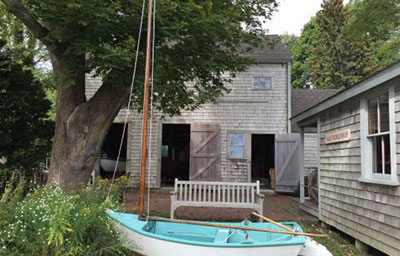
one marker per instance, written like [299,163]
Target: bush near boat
[49,221]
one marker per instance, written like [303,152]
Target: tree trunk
[81,126]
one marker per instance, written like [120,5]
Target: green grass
[337,244]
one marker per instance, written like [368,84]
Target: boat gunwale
[299,240]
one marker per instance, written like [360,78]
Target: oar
[235,227]
[273,222]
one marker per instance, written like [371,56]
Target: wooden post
[145,107]
[318,165]
[301,164]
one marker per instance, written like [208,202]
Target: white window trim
[367,175]
[263,89]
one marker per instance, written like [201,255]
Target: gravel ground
[277,207]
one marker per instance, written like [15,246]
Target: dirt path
[277,207]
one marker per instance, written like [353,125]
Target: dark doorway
[175,153]
[262,158]
[109,152]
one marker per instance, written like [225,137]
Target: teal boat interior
[211,236]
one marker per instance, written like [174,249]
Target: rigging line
[130,98]
[151,108]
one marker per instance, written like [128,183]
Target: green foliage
[196,41]
[325,56]
[52,222]
[289,40]
[301,53]
[25,48]
[25,132]
[377,21]
[338,62]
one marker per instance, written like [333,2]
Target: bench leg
[173,208]
[261,210]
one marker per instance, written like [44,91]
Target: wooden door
[204,152]
[287,173]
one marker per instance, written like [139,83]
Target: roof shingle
[266,54]
[303,99]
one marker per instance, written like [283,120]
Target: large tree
[302,54]
[196,41]
[377,22]
[337,61]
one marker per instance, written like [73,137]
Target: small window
[236,145]
[378,133]
[262,82]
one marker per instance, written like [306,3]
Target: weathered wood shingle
[368,212]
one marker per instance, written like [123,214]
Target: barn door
[287,174]
[204,152]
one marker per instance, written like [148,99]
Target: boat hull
[160,238]
[150,246]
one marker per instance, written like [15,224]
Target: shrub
[53,222]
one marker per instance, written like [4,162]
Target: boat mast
[145,107]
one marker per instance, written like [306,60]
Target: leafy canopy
[196,41]
[378,22]
[25,131]
[325,56]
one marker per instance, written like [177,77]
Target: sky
[292,15]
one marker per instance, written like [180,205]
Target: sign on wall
[338,136]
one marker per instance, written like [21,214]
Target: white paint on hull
[150,246]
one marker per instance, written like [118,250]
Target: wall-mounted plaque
[338,136]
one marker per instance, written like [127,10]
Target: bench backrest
[221,192]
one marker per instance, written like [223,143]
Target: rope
[129,100]
[151,108]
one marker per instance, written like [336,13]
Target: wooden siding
[310,150]
[368,212]
[243,109]
[92,84]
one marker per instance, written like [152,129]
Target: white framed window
[262,82]
[378,139]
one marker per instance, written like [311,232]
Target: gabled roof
[372,81]
[303,99]
[266,54]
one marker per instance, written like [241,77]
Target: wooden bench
[216,194]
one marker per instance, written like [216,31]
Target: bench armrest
[260,195]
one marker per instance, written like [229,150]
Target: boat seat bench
[222,236]
[216,194]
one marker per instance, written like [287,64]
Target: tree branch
[109,98]
[21,12]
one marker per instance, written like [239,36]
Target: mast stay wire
[130,98]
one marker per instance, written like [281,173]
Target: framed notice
[338,136]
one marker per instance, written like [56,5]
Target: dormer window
[262,82]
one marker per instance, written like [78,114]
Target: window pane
[373,116]
[384,112]
[386,146]
[236,151]
[262,82]
[377,154]
[237,139]
[381,154]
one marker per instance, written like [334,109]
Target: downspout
[289,95]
